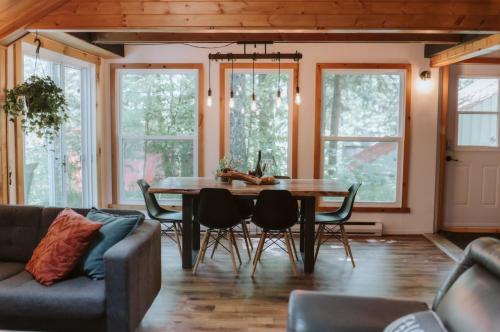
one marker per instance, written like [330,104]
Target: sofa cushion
[8,269]
[423,321]
[114,229]
[60,250]
[21,296]
[19,226]
[472,302]
[318,312]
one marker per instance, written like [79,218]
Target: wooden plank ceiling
[16,14]
[291,15]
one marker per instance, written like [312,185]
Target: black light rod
[256,56]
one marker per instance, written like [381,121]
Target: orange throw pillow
[60,250]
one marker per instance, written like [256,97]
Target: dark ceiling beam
[115,48]
[105,38]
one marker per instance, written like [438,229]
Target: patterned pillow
[58,252]
[423,321]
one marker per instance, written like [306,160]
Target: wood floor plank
[216,300]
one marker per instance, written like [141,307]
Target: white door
[472,197]
[60,173]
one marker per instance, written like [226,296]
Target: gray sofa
[469,300]
[117,303]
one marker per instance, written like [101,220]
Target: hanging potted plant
[40,104]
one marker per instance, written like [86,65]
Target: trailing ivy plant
[40,104]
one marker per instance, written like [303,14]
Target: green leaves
[40,104]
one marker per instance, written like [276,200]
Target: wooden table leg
[309,206]
[187,231]
[301,225]
[196,226]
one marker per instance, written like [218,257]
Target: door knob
[450,158]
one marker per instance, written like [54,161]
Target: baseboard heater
[364,228]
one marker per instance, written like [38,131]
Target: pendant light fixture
[278,95]
[253,106]
[231,99]
[298,99]
[209,97]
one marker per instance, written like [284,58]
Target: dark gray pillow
[423,321]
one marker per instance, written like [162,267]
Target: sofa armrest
[133,277]
[317,311]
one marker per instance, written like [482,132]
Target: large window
[269,126]
[158,117]
[62,172]
[478,112]
[362,127]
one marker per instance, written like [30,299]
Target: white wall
[424,111]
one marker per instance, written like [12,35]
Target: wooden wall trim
[60,48]
[18,131]
[442,144]
[114,130]
[295,111]
[477,229]
[4,168]
[407,123]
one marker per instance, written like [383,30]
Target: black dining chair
[218,212]
[170,220]
[275,212]
[332,224]
[245,209]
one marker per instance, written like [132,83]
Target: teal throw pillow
[116,228]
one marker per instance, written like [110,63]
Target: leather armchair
[469,300]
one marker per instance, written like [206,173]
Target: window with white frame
[478,112]
[63,172]
[362,131]
[266,127]
[158,127]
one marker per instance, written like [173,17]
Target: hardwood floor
[218,300]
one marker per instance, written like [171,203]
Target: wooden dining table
[306,191]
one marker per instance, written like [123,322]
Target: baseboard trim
[467,229]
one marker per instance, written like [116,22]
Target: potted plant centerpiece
[40,105]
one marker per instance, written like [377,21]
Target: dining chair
[332,224]
[245,209]
[275,212]
[170,220]
[218,212]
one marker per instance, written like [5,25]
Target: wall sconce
[425,82]
[425,75]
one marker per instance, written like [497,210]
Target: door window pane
[478,95]
[478,130]
[266,128]
[374,164]
[477,111]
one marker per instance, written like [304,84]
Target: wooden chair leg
[176,229]
[201,253]
[233,240]
[292,241]
[246,237]
[319,234]
[258,251]
[347,246]
[249,237]
[290,254]
[231,250]
[216,244]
